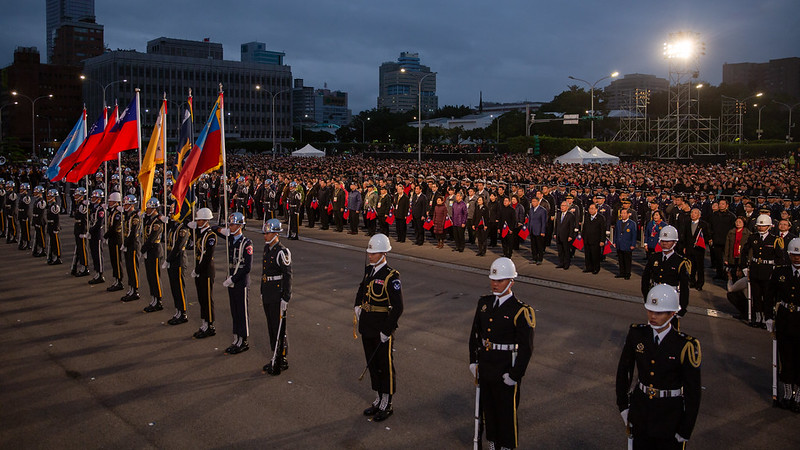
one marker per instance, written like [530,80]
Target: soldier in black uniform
[383,209]
[204,271]
[270,202]
[24,216]
[153,230]
[113,236]
[760,255]
[669,267]
[53,227]
[10,210]
[294,201]
[661,406]
[784,295]
[240,258]
[81,230]
[39,221]
[175,262]
[97,215]
[276,291]
[130,247]
[378,306]
[500,348]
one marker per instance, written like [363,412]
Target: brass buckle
[487,344]
[652,392]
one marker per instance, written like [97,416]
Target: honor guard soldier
[784,294]
[668,267]
[3,219]
[276,291]
[175,262]
[113,236]
[12,200]
[240,258]
[204,271]
[500,348]
[81,230]
[202,191]
[660,407]
[24,216]
[378,306]
[53,227]
[133,226]
[760,255]
[39,221]
[294,202]
[130,187]
[152,252]
[97,215]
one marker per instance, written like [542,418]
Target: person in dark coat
[722,221]
[537,225]
[419,208]
[494,216]
[401,209]
[459,222]
[480,224]
[439,217]
[507,223]
[784,292]
[566,229]
[696,249]
[594,238]
[625,239]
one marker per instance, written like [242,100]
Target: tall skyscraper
[399,85]
[63,12]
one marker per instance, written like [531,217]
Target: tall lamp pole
[419,118]
[1,118]
[498,126]
[592,86]
[740,104]
[363,128]
[104,88]
[759,131]
[272,105]
[790,108]
[33,117]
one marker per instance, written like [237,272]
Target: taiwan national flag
[658,248]
[481,223]
[330,208]
[390,218]
[578,242]
[346,214]
[523,232]
[607,247]
[428,224]
[409,218]
[371,214]
[314,204]
[504,231]
[447,223]
[700,241]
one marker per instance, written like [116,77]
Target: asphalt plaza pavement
[80,369]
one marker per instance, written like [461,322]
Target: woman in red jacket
[439,217]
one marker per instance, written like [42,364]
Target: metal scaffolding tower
[633,126]
[732,111]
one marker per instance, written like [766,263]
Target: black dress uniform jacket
[511,323]
[783,294]
[671,365]
[674,272]
[277,262]
[381,301]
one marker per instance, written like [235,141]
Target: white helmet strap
[383,259]
[506,290]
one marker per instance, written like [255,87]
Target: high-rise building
[400,83]
[777,77]
[61,12]
[247,109]
[620,91]
[330,107]
[302,102]
[76,41]
[256,52]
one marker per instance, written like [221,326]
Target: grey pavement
[80,369]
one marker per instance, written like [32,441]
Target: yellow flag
[153,157]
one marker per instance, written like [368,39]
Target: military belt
[791,307]
[488,345]
[660,393]
[764,261]
[374,308]
[275,278]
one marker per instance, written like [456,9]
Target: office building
[303,102]
[620,91]
[77,41]
[776,77]
[61,12]
[256,52]
[399,85]
[186,49]
[330,107]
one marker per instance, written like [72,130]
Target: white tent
[575,156]
[597,156]
[309,150]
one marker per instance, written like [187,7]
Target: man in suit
[401,206]
[566,230]
[594,237]
[419,211]
[537,225]
[699,231]
[625,233]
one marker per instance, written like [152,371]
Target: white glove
[83,236]
[194,274]
[770,328]
[165,265]
[284,305]
[228,282]
[357,310]
[680,438]
[384,338]
[105,241]
[123,248]
[192,224]
[225,231]
[144,255]
[120,209]
[745,271]
[473,369]
[508,381]
[164,219]
[624,415]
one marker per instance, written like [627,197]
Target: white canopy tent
[575,156]
[597,156]
[309,151]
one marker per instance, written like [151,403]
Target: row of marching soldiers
[159,242]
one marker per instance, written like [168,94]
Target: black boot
[153,307]
[117,286]
[98,279]
[177,320]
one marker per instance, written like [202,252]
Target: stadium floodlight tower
[683,133]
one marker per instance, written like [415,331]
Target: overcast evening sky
[512,50]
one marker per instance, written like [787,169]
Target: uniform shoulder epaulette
[527,312]
[779,242]
[691,350]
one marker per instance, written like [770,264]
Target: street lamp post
[363,128]
[740,106]
[498,126]
[790,108]
[759,131]
[104,88]
[272,117]
[698,87]
[419,118]
[302,125]
[1,118]
[33,117]
[592,86]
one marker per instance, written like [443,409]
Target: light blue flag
[71,143]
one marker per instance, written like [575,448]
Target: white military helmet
[379,243]
[794,247]
[115,197]
[662,298]
[764,221]
[204,214]
[502,269]
[668,233]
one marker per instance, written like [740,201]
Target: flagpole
[121,197]
[224,166]
[164,154]
[139,137]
